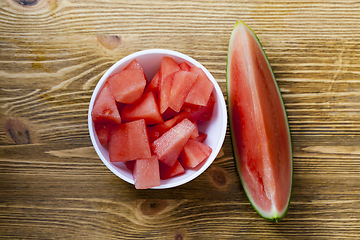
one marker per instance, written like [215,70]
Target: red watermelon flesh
[167,69]
[153,86]
[258,124]
[146,173]
[105,109]
[103,132]
[146,108]
[158,130]
[170,144]
[129,141]
[202,137]
[180,88]
[127,86]
[202,88]
[195,133]
[134,64]
[167,172]
[130,164]
[198,113]
[184,66]
[194,153]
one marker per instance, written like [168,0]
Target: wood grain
[52,54]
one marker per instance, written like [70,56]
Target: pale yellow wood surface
[52,54]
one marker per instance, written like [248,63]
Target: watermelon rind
[274,215]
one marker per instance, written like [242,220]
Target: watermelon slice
[258,124]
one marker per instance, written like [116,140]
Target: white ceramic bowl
[215,128]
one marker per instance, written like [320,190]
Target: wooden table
[53,52]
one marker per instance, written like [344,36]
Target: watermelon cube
[202,88]
[202,137]
[169,146]
[156,131]
[134,64]
[146,108]
[127,86]
[167,172]
[146,172]
[129,141]
[130,164]
[105,109]
[167,69]
[184,66]
[181,85]
[195,133]
[153,86]
[103,132]
[194,153]
[198,113]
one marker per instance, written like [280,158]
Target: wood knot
[17,131]
[109,42]
[26,2]
[31,5]
[178,236]
[218,176]
[153,206]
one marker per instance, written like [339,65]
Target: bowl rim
[170,53]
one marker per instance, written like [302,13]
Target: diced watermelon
[129,141]
[195,133]
[146,173]
[202,88]
[147,109]
[168,114]
[120,106]
[156,131]
[127,86]
[167,172]
[202,137]
[180,88]
[198,113]
[194,153]
[153,86]
[103,132]
[130,165]
[105,109]
[167,69]
[184,66]
[134,64]
[170,144]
